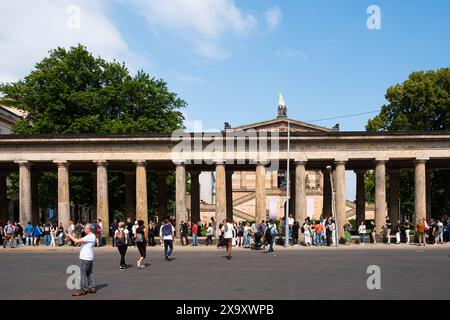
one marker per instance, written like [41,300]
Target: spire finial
[281,102]
[282,110]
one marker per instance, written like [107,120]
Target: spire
[282,110]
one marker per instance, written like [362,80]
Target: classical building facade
[190,154]
[243,183]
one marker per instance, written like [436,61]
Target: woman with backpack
[121,240]
[141,244]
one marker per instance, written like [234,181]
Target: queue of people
[321,232]
[13,235]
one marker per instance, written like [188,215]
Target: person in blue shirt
[29,234]
[36,235]
[448,230]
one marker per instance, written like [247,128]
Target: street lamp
[333,203]
[288,189]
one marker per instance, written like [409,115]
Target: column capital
[421,160]
[300,161]
[101,163]
[340,161]
[23,163]
[381,160]
[61,163]
[140,163]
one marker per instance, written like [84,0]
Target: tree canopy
[421,103]
[71,91]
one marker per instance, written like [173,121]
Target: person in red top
[318,230]
[194,234]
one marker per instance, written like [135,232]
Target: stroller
[257,243]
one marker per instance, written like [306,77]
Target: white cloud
[190,79]
[202,23]
[273,18]
[289,54]
[29,29]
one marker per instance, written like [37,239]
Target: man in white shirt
[86,260]
[227,231]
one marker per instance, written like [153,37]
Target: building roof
[9,115]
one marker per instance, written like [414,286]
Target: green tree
[71,91]
[421,103]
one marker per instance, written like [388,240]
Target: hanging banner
[273,208]
[310,207]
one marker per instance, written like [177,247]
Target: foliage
[421,103]
[72,92]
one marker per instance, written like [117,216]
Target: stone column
[393,196]
[130,195]
[35,199]
[327,207]
[141,193]
[341,214]
[180,195]
[293,193]
[229,191]
[261,213]
[300,189]
[24,192]
[380,196]
[221,195]
[195,197]
[4,208]
[102,197]
[360,197]
[94,196]
[420,191]
[428,195]
[63,193]
[162,196]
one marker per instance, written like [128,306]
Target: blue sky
[320,55]
[229,59]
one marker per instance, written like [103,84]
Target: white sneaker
[138,263]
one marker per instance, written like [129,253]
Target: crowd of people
[13,234]
[321,232]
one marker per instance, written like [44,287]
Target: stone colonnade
[224,192]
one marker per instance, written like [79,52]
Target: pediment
[281,125]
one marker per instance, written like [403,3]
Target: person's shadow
[101,286]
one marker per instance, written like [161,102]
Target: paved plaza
[407,272]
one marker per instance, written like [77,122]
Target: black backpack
[268,234]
